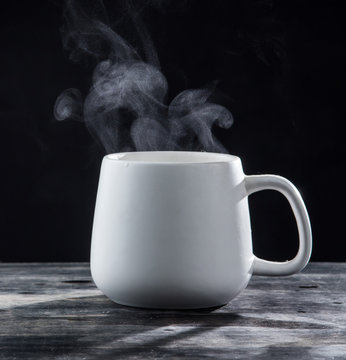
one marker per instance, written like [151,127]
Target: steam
[69,105]
[126,109]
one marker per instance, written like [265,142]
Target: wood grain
[54,311]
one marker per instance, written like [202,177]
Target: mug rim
[171,157]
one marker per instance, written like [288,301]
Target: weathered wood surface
[54,311]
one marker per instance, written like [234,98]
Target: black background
[280,67]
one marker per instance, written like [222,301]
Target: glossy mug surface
[172,229]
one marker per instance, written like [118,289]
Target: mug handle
[256,183]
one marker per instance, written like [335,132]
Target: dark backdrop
[280,67]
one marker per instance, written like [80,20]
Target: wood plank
[54,311]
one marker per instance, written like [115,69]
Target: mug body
[171,230]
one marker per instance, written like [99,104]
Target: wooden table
[54,311]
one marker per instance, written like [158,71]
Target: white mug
[172,229]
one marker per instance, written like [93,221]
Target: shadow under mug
[172,229]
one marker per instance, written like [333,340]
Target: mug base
[180,307]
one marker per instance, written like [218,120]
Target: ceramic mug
[172,229]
